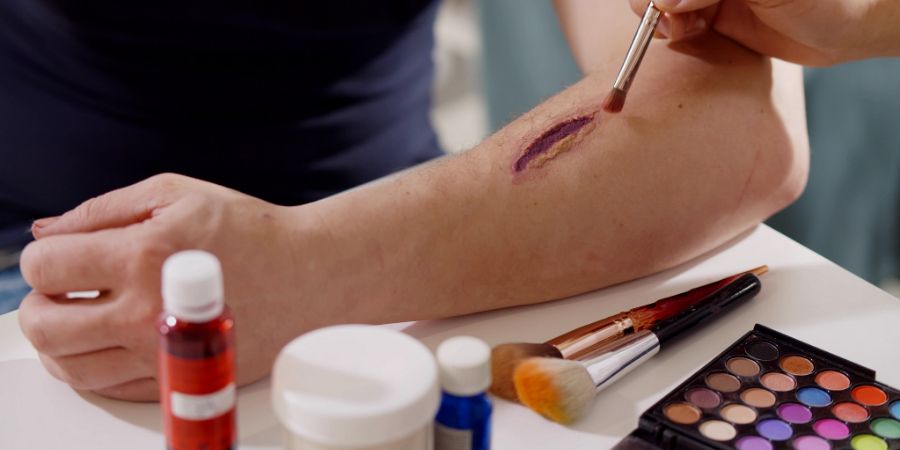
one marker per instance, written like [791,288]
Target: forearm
[701,153]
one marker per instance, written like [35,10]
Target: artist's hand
[116,243]
[809,32]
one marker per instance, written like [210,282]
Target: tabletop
[804,295]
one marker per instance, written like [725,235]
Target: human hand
[809,32]
[116,243]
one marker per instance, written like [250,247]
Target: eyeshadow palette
[769,391]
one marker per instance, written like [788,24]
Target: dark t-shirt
[287,100]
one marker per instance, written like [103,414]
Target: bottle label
[447,438]
[202,407]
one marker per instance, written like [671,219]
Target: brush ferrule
[586,343]
[638,48]
[620,357]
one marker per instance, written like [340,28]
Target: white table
[804,295]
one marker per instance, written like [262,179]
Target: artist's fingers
[114,209]
[736,20]
[144,390]
[66,327]
[78,262]
[98,370]
[682,6]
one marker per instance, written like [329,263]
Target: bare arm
[563,200]
[702,152]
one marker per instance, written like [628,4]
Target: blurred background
[488,73]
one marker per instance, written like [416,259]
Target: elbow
[787,176]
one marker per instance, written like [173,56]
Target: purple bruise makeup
[546,144]
[769,391]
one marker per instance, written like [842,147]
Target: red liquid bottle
[196,355]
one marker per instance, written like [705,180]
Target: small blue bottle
[464,420]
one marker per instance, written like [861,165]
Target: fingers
[682,6]
[672,6]
[118,208]
[744,26]
[143,390]
[684,25]
[77,262]
[67,327]
[102,369]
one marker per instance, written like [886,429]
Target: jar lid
[355,385]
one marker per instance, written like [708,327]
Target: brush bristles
[505,358]
[614,101]
[558,389]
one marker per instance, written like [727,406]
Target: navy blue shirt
[289,100]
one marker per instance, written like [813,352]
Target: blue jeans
[12,289]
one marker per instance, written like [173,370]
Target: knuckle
[34,328]
[74,374]
[165,181]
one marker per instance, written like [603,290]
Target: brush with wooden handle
[584,340]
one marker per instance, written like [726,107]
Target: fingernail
[46,221]
[666,4]
[696,26]
[664,28]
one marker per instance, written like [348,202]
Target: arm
[701,152]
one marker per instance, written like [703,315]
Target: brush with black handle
[562,390]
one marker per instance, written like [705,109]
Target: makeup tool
[356,387]
[615,101]
[464,420]
[562,390]
[196,355]
[583,340]
[769,391]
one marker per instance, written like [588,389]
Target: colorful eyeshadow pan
[811,443]
[832,380]
[718,430]
[740,414]
[831,429]
[703,398]
[723,382]
[794,413]
[869,395]
[683,413]
[769,391]
[741,366]
[753,443]
[778,382]
[886,428]
[813,396]
[774,430]
[868,442]
[757,397]
[797,365]
[850,412]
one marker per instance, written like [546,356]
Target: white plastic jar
[356,387]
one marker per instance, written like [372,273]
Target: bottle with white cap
[464,419]
[196,358]
[357,387]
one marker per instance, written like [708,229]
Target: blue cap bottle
[464,419]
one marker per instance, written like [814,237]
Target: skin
[701,153]
[810,32]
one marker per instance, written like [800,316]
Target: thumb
[119,208]
[683,6]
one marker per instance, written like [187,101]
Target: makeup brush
[615,100]
[562,390]
[583,340]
